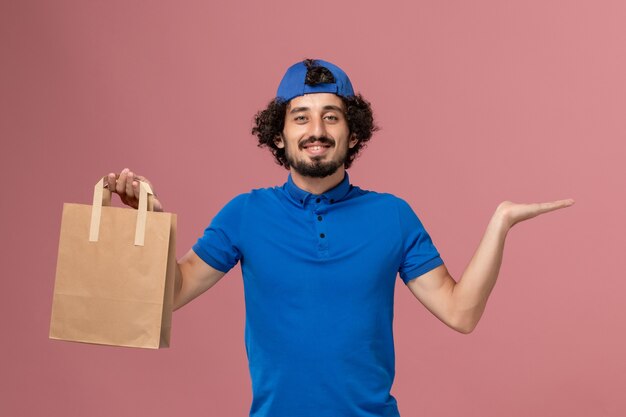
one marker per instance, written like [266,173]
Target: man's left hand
[513,213]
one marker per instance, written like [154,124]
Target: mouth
[316,148]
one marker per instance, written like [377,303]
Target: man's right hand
[126,185]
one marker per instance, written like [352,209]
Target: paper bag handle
[102,197]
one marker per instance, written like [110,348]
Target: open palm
[514,213]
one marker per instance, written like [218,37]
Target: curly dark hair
[270,122]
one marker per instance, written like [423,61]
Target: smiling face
[316,137]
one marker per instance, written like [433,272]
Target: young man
[320,257]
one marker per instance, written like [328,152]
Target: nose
[317,128]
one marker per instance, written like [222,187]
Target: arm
[193,277]
[461,304]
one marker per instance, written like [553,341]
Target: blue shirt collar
[335,194]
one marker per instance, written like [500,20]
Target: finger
[136,188]
[555,205]
[130,178]
[110,181]
[120,186]
[144,179]
[156,205]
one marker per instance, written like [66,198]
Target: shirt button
[322,235]
[319,218]
[317,200]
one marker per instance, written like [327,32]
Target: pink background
[478,101]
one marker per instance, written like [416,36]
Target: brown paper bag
[115,273]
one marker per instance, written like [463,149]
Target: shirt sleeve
[420,254]
[219,245]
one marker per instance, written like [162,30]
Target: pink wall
[479,102]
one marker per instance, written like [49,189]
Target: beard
[317,168]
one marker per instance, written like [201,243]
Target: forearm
[178,302]
[186,289]
[470,294]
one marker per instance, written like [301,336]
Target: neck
[317,185]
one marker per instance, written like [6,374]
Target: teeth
[315,148]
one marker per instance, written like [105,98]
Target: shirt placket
[320,211]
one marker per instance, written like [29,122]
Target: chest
[342,249]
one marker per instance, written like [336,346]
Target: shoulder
[253,198]
[385,199]
[254,194]
[237,202]
[391,206]
[268,195]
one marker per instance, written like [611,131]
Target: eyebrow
[325,108]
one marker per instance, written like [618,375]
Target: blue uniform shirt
[319,274]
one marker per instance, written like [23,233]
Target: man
[320,257]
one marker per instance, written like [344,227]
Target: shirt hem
[416,273]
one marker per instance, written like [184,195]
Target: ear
[353,141]
[279,142]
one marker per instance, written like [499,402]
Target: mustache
[322,140]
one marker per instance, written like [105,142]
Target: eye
[300,118]
[331,117]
